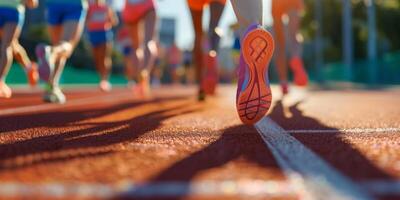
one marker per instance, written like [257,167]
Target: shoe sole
[255,100]
[51,98]
[44,67]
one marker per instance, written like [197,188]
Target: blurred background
[352,41]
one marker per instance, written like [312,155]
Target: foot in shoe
[254,93]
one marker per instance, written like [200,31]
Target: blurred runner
[125,46]
[12,14]
[253,97]
[187,64]
[66,19]
[236,44]
[207,81]
[100,20]
[292,10]
[140,18]
[174,59]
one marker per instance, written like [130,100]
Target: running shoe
[43,53]
[254,95]
[105,86]
[210,81]
[32,75]
[54,95]
[5,91]
[300,74]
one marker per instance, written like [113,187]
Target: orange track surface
[112,137]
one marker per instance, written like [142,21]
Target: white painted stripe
[75,102]
[311,176]
[354,130]
[383,187]
[251,188]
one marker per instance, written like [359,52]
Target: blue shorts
[127,50]
[58,13]
[11,15]
[97,38]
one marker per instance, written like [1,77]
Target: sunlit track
[254,188]
[352,130]
[76,102]
[96,98]
[313,177]
[102,146]
[249,189]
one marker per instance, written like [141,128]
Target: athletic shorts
[199,4]
[11,15]
[97,38]
[132,13]
[126,50]
[280,7]
[58,13]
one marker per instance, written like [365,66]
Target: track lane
[158,139]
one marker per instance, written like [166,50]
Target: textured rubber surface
[254,101]
[110,138]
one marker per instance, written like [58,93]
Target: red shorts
[135,9]
[199,4]
[280,7]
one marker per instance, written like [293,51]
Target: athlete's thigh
[11,32]
[72,31]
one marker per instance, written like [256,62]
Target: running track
[328,145]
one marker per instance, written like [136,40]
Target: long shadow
[9,123]
[238,142]
[98,135]
[330,146]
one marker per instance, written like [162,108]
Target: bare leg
[294,27]
[296,62]
[130,70]
[10,33]
[150,46]
[216,10]
[280,52]
[64,41]
[248,12]
[135,38]
[102,60]
[20,55]
[197,16]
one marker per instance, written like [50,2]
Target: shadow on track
[239,143]
[332,147]
[57,118]
[65,146]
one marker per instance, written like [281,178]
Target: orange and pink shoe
[32,74]
[254,96]
[300,74]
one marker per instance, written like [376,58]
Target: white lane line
[75,102]
[251,188]
[245,188]
[382,187]
[353,130]
[311,176]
